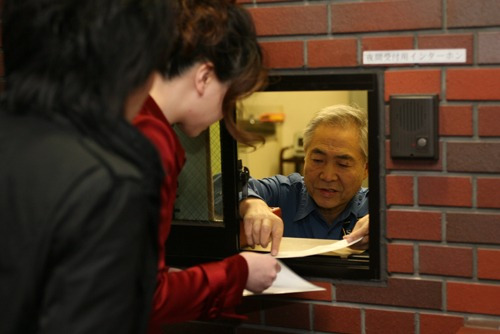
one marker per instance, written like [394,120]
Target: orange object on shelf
[272,117]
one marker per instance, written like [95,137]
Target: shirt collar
[307,206]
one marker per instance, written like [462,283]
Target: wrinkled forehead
[336,139]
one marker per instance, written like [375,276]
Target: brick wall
[443,217]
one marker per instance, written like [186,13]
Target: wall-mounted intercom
[414,126]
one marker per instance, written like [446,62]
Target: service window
[206,223]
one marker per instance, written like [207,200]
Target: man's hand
[361,229]
[261,225]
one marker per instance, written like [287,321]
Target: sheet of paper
[299,247]
[287,281]
[332,246]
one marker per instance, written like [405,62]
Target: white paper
[320,249]
[287,281]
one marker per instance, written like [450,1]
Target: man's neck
[331,214]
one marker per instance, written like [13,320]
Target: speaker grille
[411,116]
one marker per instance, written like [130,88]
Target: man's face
[334,167]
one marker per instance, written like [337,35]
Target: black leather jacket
[78,233]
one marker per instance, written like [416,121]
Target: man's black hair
[77,61]
[82,58]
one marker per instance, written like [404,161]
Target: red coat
[204,291]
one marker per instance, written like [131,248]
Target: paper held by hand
[287,281]
[300,247]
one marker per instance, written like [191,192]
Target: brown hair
[223,33]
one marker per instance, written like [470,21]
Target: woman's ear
[203,76]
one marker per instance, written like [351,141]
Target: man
[79,185]
[328,202]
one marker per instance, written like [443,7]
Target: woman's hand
[262,271]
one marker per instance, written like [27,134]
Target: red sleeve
[156,128]
[206,291]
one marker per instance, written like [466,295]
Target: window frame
[191,243]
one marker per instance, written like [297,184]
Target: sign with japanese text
[414,56]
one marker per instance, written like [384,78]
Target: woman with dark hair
[79,185]
[216,61]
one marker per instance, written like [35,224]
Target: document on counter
[300,247]
[314,248]
[287,281]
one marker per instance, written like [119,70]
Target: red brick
[412,82]
[387,43]
[325,295]
[413,225]
[283,54]
[488,192]
[476,330]
[386,16]
[489,47]
[332,53]
[399,189]
[489,118]
[482,228]
[394,322]
[471,13]
[455,120]
[445,261]
[411,292]
[473,157]
[439,323]
[448,41]
[405,164]
[400,258]
[473,298]
[281,20]
[337,319]
[473,84]
[488,263]
[445,191]
[287,314]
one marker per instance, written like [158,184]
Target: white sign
[414,56]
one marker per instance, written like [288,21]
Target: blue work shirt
[300,213]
